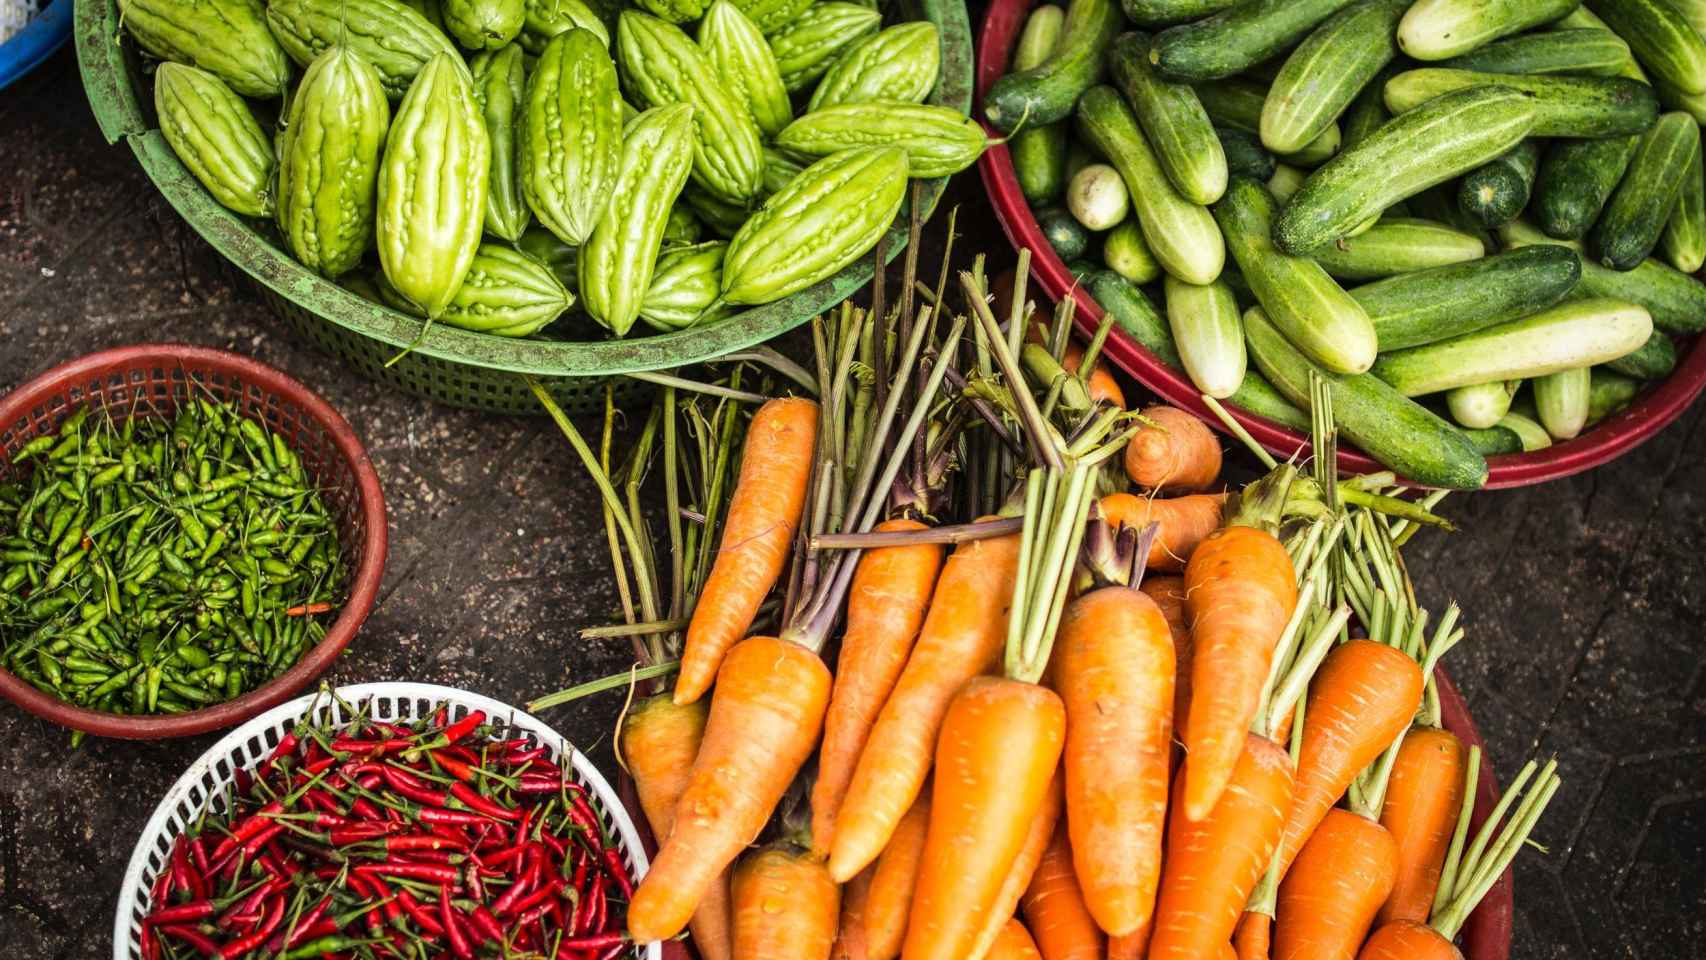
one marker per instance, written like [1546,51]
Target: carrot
[659,743]
[763,513]
[1054,907]
[1335,886]
[1422,798]
[1176,452]
[1000,743]
[1102,385]
[1024,867]
[1253,940]
[1240,591]
[1013,943]
[1213,862]
[885,607]
[1116,678]
[961,637]
[763,724]
[785,905]
[1169,596]
[1408,940]
[1129,947]
[1361,699]
[850,938]
[893,879]
[1182,523]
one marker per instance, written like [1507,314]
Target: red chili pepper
[364,887]
[286,745]
[255,823]
[582,921]
[393,910]
[507,855]
[537,783]
[452,929]
[423,918]
[596,941]
[248,942]
[486,925]
[183,913]
[411,787]
[162,883]
[582,863]
[618,871]
[417,842]
[365,809]
[452,818]
[538,897]
[203,943]
[186,884]
[525,878]
[525,755]
[146,943]
[322,802]
[324,927]
[475,884]
[320,765]
[370,748]
[358,832]
[470,798]
[250,905]
[613,951]
[434,872]
[460,769]
[304,928]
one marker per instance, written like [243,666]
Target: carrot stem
[955,533]
[716,390]
[612,682]
[1237,429]
[1467,879]
[775,360]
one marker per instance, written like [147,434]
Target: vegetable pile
[157,564]
[1481,223]
[760,155]
[378,839]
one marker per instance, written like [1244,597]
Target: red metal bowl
[1608,439]
[157,374]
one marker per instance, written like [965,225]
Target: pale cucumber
[1125,252]
[1208,334]
[1398,245]
[1327,71]
[1438,29]
[1676,300]
[1173,121]
[1480,405]
[1533,435]
[1684,239]
[1562,400]
[1562,106]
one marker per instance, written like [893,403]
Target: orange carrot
[1000,743]
[1129,947]
[1240,591]
[1102,385]
[1361,699]
[763,724]
[659,743]
[1013,943]
[1018,880]
[1253,940]
[1169,596]
[961,637]
[786,906]
[1213,862]
[1408,940]
[1176,453]
[763,513]
[1422,800]
[1335,886]
[1116,677]
[1182,523]
[1054,907]
[850,940]
[885,607]
[893,878]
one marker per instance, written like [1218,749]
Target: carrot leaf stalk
[1470,873]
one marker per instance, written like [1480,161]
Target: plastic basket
[27,48]
[455,366]
[202,786]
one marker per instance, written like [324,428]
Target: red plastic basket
[150,379]
[1609,439]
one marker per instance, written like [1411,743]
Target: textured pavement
[1584,599]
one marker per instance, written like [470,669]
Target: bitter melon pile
[497,164]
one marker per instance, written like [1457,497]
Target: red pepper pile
[382,840]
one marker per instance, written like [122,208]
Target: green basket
[451,365]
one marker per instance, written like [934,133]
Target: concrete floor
[1584,599]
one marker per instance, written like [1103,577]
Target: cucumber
[1173,121]
[1634,218]
[1562,399]
[1078,156]
[1245,155]
[1684,240]
[1097,197]
[1533,435]
[1391,428]
[1045,93]
[1498,191]
[1494,441]
[1082,270]
[1563,106]
[1653,360]
[1582,50]
[1208,334]
[1676,300]
[1327,71]
[1367,113]
[1582,18]
[1181,234]
[1576,178]
[1576,333]
[1398,245]
[1039,152]
[1608,393]
[1427,306]
[1427,145]
[1125,253]
[1238,104]
[1063,232]
[1480,405]
[1330,327]
[1236,39]
[1285,182]
[1661,37]
[1439,29]
[1439,204]
[1161,13]
[1673,99]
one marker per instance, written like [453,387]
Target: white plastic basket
[205,781]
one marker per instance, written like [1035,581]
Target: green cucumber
[1325,73]
[1082,270]
[1398,245]
[1181,234]
[1576,333]
[1439,29]
[1608,393]
[1245,155]
[1582,18]
[1173,121]
[1533,435]
[1634,218]
[1208,334]
[1581,50]
[1439,204]
[1694,104]
[1563,106]
[1684,240]
[1125,252]
[1314,311]
[1411,309]
[1481,405]
[1367,113]
[1045,93]
[1562,399]
[1063,232]
[1161,13]
[1238,104]
[1097,197]
[1257,395]
[1039,152]
[1653,360]
[1391,428]
[1661,37]
[1494,441]
[1576,178]
[1496,192]
[1285,182]
[1236,39]
[1676,300]
[1428,145]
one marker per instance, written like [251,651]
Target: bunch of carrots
[983,664]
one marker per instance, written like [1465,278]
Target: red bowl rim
[364,585]
[1607,440]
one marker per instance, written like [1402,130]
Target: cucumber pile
[1482,222]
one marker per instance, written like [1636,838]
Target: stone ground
[1584,598]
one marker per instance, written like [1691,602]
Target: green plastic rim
[456,366]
